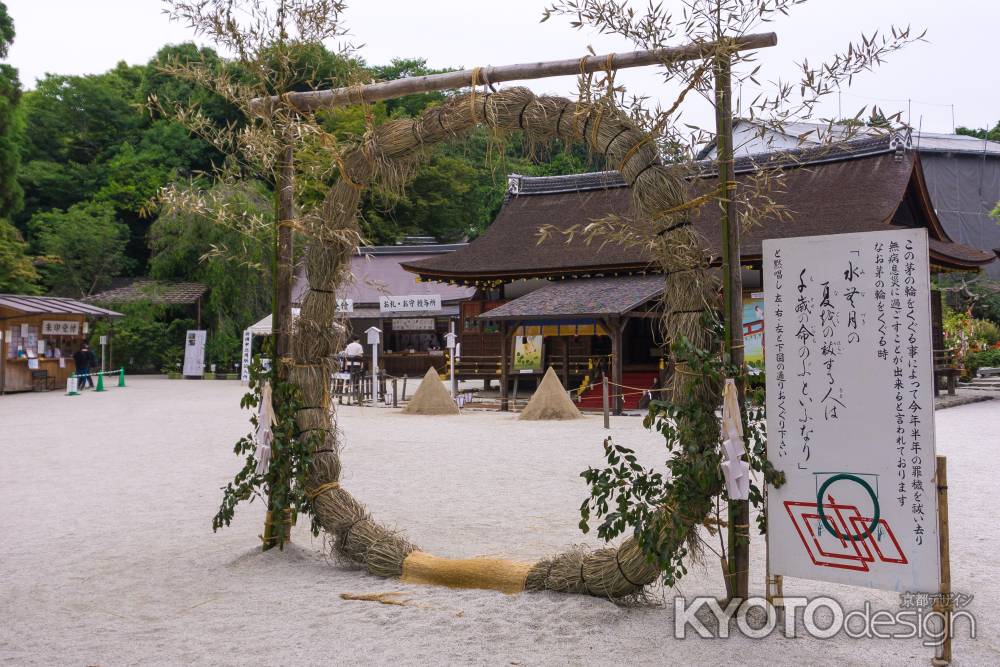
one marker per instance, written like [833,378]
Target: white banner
[60,328]
[411,303]
[413,324]
[850,410]
[345,305]
[194,354]
[246,358]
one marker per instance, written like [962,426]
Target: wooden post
[504,365]
[942,653]
[395,397]
[3,358]
[605,403]
[615,329]
[282,303]
[732,285]
[565,359]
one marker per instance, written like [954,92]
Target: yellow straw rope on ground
[506,576]
[392,597]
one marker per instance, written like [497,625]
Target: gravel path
[108,557]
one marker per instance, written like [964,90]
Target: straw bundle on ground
[506,576]
[388,155]
[431,398]
[550,401]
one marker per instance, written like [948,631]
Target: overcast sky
[955,68]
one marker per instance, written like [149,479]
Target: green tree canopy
[992,134]
[84,247]
[188,243]
[11,195]
[17,272]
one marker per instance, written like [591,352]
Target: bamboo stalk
[739,510]
[282,317]
[387,90]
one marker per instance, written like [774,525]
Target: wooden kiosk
[38,336]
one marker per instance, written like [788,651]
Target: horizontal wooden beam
[387,90]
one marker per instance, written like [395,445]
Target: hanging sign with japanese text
[194,354]
[60,328]
[413,324]
[850,410]
[411,303]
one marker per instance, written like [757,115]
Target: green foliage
[81,119]
[11,195]
[992,134]
[983,359]
[85,247]
[664,509]
[91,139]
[6,30]
[971,292]
[284,481]
[223,349]
[966,334]
[401,68]
[235,264]
[17,270]
[148,339]
[172,360]
[438,202]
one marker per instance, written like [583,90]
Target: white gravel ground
[108,558]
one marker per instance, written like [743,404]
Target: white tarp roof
[263,328]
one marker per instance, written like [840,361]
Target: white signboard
[413,324]
[60,328]
[194,354]
[247,357]
[850,410]
[411,303]
[345,305]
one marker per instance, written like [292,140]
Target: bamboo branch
[387,90]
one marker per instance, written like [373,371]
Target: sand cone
[550,401]
[431,398]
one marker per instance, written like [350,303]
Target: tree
[84,247]
[11,196]
[195,243]
[17,271]
[91,138]
[992,134]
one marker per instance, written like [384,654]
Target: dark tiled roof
[419,249]
[509,247]
[596,297]
[858,186]
[541,185]
[154,291]
[52,305]
[601,180]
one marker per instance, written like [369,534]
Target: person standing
[84,360]
[354,349]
